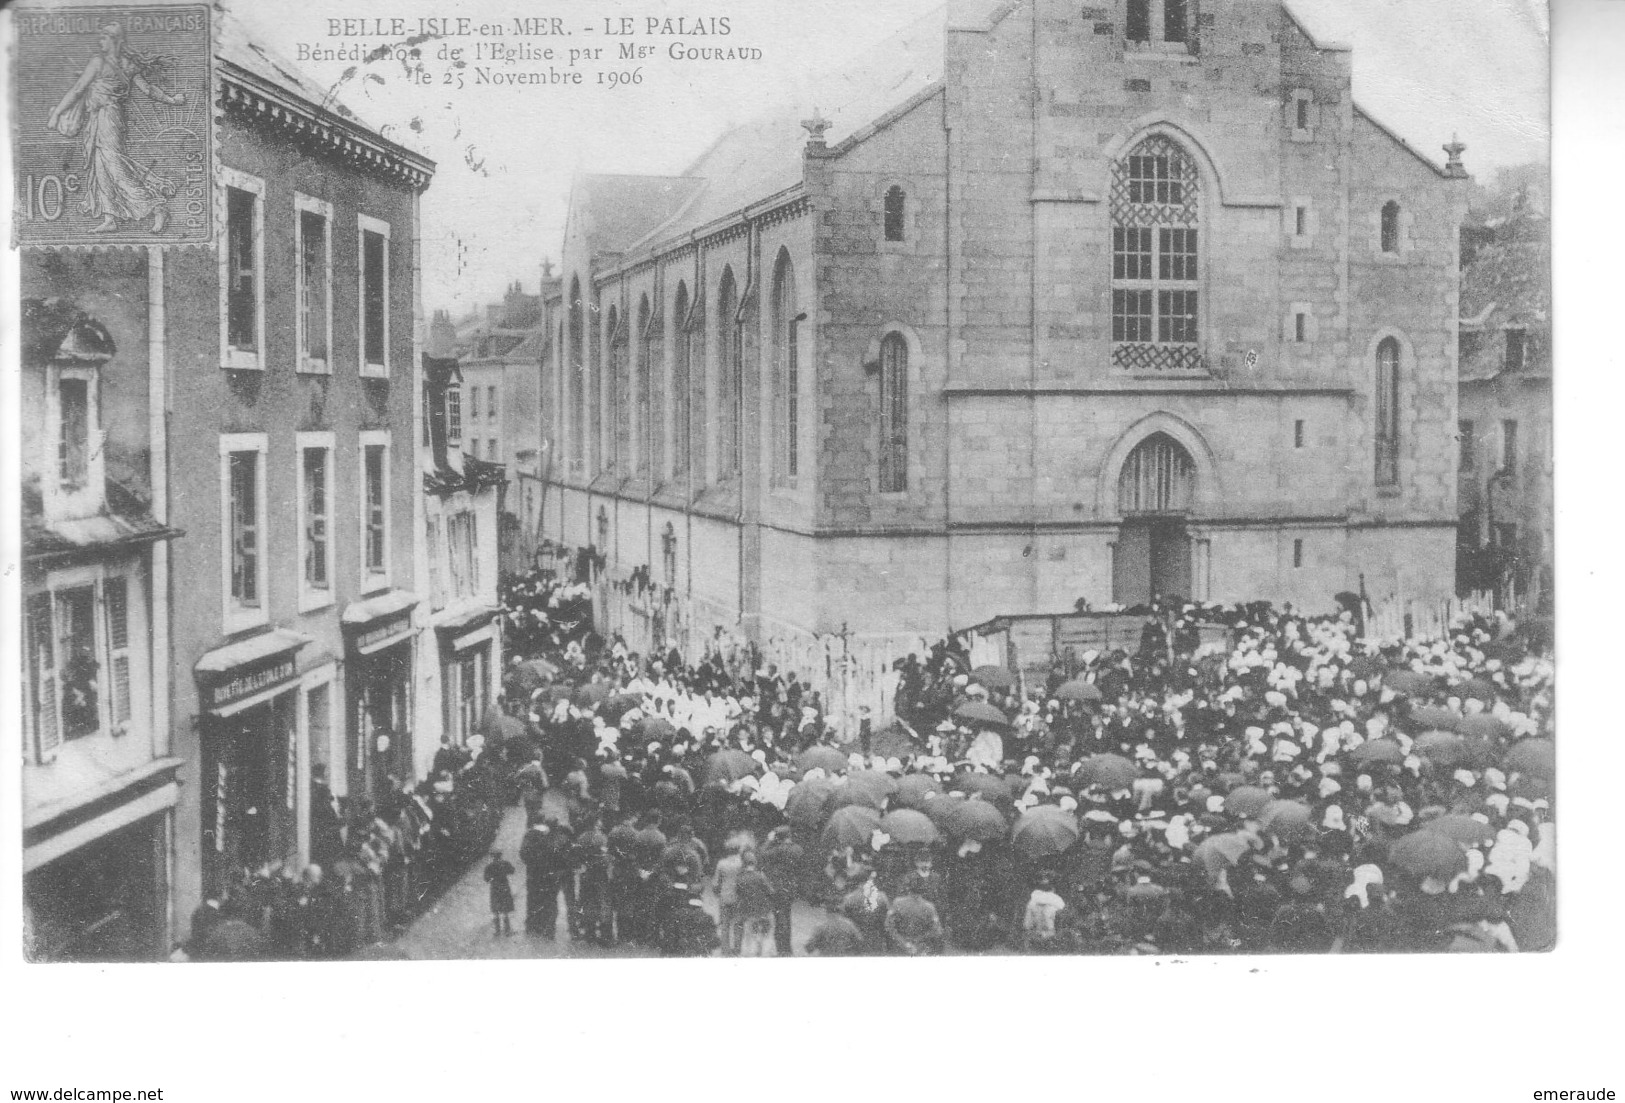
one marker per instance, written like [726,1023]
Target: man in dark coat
[690,930]
[545,854]
[784,861]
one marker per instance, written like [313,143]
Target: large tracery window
[1156,270]
[1157,477]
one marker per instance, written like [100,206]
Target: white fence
[1395,618]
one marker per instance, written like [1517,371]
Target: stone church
[1043,302]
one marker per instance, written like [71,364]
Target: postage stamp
[113,128]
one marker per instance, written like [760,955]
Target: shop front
[379,663]
[253,762]
[96,880]
[470,658]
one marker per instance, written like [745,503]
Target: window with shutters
[1387,420]
[1156,262]
[893,414]
[1160,25]
[490,403]
[1157,478]
[473,404]
[242,501]
[1509,446]
[313,272]
[374,279]
[44,711]
[315,520]
[79,662]
[242,272]
[437,591]
[374,510]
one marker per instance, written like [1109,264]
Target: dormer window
[72,349]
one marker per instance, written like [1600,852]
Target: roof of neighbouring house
[124,519]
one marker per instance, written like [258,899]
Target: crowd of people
[1295,788]
[375,865]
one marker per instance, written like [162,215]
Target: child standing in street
[497,874]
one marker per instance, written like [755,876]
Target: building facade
[1060,303]
[293,465]
[498,406]
[1504,426]
[100,778]
[460,667]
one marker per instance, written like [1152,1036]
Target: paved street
[458,926]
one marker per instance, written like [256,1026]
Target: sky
[506,155]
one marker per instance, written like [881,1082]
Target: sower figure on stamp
[116,187]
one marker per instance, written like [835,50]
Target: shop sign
[246,681]
[382,632]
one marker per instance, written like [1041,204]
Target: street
[458,926]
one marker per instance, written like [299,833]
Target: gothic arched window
[893,414]
[1390,227]
[1387,427]
[1156,274]
[729,355]
[786,371]
[575,357]
[682,340]
[1157,477]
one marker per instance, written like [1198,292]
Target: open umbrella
[882,785]
[1287,820]
[525,678]
[728,766]
[1428,853]
[857,796]
[557,693]
[809,804]
[650,844]
[1481,688]
[1109,771]
[976,820]
[850,826]
[656,729]
[940,809]
[1533,756]
[915,790]
[1078,690]
[1482,725]
[618,706]
[1435,719]
[1442,748]
[1463,829]
[993,677]
[1247,801]
[1378,750]
[909,827]
[593,693]
[498,727]
[979,714]
[1043,833]
[1408,682]
[1217,853]
[988,786]
[827,759]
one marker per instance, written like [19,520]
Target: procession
[1298,789]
